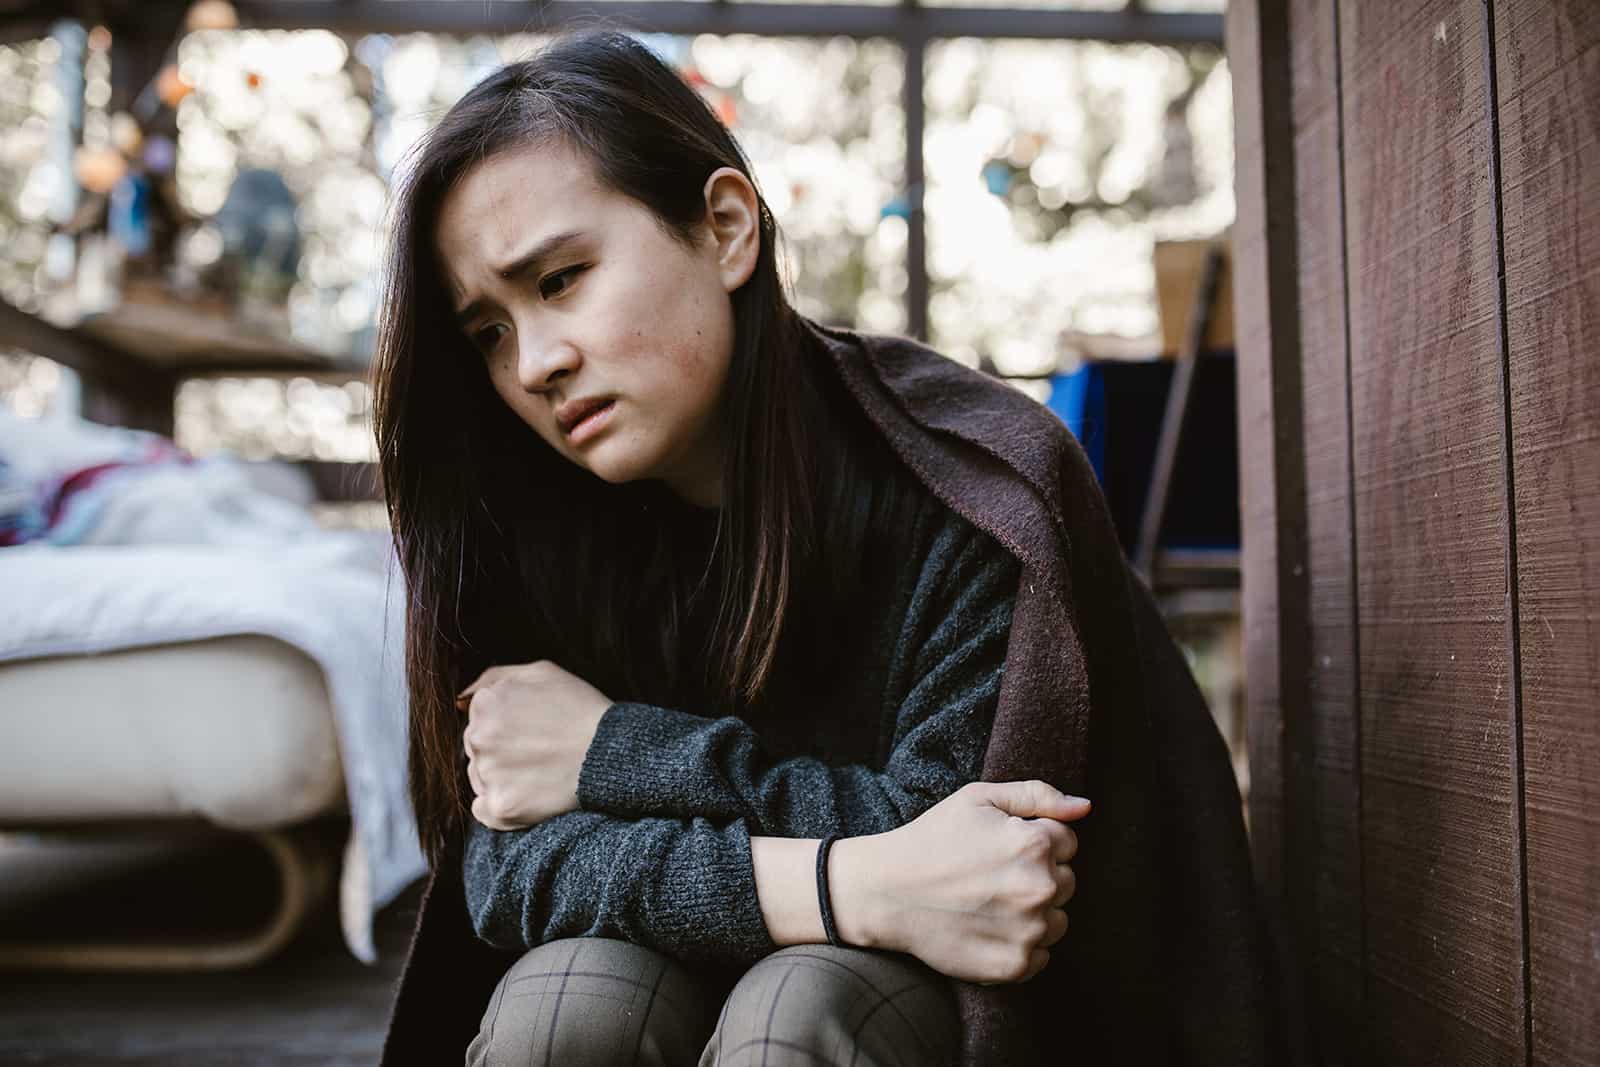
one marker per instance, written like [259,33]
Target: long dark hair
[496,575]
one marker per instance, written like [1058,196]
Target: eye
[555,284]
[485,338]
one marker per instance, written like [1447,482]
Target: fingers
[1007,966]
[480,811]
[488,677]
[1063,841]
[1055,927]
[1034,799]
[475,779]
[1039,956]
[1066,886]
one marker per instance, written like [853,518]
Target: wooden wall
[1418,302]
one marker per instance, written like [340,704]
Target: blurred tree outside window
[822,125]
[32,113]
[293,103]
[1052,168]
[37,117]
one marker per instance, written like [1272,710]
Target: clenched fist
[976,886]
[528,729]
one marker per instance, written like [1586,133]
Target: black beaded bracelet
[823,902]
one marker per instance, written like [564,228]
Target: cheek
[703,355]
[690,360]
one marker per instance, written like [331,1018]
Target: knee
[802,988]
[813,1004]
[579,1001]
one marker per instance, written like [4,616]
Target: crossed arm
[681,821]
[683,833]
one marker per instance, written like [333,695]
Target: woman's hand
[528,729]
[975,887]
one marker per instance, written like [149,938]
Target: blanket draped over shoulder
[1167,959]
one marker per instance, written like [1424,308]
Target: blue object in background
[997,177]
[1115,409]
[128,219]
[1079,399]
[898,208]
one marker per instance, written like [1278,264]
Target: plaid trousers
[596,1002]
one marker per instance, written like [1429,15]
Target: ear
[733,216]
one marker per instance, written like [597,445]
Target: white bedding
[123,541]
[328,596]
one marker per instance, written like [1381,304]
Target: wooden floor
[312,1005]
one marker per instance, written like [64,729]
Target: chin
[610,474]
[616,470]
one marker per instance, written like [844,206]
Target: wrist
[861,912]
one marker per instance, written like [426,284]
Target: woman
[686,606]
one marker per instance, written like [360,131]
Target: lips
[573,412]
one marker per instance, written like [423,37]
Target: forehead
[511,201]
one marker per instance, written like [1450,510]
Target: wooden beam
[1548,64]
[91,358]
[1275,585]
[1439,816]
[916,218]
[1333,932]
[687,16]
[119,388]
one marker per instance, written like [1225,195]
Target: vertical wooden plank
[1441,856]
[1272,489]
[1548,70]
[1332,940]
[1259,551]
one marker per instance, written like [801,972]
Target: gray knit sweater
[659,853]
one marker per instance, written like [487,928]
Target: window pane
[36,152]
[1052,167]
[287,102]
[822,124]
[332,121]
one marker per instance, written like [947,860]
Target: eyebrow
[533,259]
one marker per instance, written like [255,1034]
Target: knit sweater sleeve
[647,761]
[684,887]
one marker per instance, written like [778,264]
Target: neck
[697,477]
[699,482]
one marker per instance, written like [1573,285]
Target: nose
[542,361]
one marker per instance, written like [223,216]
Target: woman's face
[607,336]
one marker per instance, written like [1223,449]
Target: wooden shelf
[200,338]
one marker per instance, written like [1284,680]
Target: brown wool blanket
[1167,960]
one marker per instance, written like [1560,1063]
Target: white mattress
[238,730]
